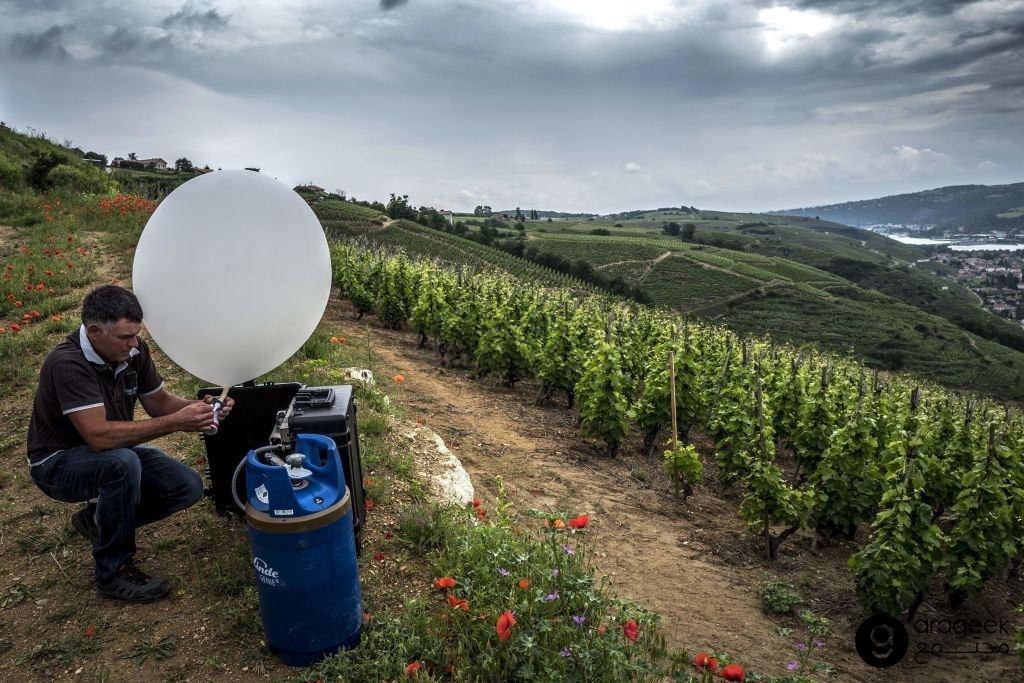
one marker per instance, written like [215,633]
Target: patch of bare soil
[693,562]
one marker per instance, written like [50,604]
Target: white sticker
[284,513]
[261,494]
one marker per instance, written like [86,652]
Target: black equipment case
[330,411]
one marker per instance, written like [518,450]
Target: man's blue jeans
[134,486]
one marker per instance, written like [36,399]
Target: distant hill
[542,214]
[958,208]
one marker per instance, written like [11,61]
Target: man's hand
[195,417]
[228,403]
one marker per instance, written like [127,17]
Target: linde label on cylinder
[299,515]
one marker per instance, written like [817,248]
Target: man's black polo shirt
[74,377]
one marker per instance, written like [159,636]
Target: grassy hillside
[800,280]
[964,208]
[152,184]
[346,220]
[33,162]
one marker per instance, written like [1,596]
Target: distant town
[995,276]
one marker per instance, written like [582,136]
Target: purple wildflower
[569,548]
[578,619]
[551,597]
[792,666]
[555,572]
[503,571]
[819,643]
[801,647]
[565,652]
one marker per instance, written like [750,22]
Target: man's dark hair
[106,305]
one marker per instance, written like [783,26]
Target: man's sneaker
[134,585]
[84,522]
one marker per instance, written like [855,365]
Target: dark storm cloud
[188,17]
[35,5]
[47,44]
[885,7]
[126,41]
[526,102]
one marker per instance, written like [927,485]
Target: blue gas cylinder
[299,516]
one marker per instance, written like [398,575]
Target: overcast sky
[575,105]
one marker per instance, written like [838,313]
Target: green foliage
[894,569]
[1020,637]
[604,410]
[768,500]
[11,175]
[502,349]
[395,293]
[78,179]
[567,626]
[683,465]
[813,430]
[732,421]
[778,597]
[431,307]
[847,481]
[425,527]
[608,355]
[986,535]
[652,410]
[162,648]
[38,175]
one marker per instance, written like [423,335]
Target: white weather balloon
[233,273]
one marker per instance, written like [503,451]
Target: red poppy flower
[399,378]
[458,603]
[90,631]
[377,557]
[369,504]
[481,513]
[412,668]
[579,522]
[477,502]
[631,630]
[504,625]
[15,327]
[705,661]
[733,672]
[524,583]
[445,582]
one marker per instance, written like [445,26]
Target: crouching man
[83,443]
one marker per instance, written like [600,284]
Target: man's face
[115,345]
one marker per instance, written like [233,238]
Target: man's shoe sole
[113,595]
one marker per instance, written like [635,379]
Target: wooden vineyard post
[672,396]
[672,407]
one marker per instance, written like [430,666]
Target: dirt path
[690,563]
[648,267]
